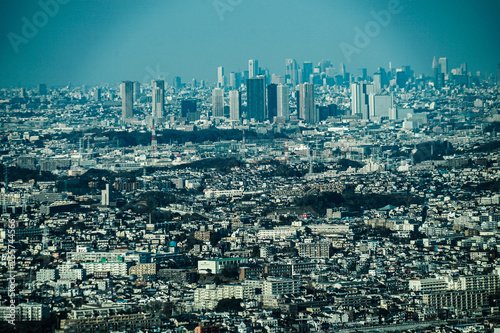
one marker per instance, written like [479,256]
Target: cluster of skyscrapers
[255,95]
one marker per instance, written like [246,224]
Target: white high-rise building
[377,83]
[380,105]
[443,62]
[283,102]
[234,105]
[253,68]
[221,80]
[217,103]
[355,99]
[307,110]
[127,94]
[158,99]
[291,71]
[360,99]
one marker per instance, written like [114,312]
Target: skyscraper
[96,94]
[283,102]
[307,71]
[253,68]
[137,90]
[127,94]
[188,106]
[366,90]
[355,99]
[307,110]
[158,98]
[220,77]
[291,74]
[342,70]
[234,105]
[177,82]
[272,101]
[42,89]
[360,99]
[256,98]
[234,80]
[443,62]
[300,76]
[188,110]
[377,82]
[217,103]
[401,78]
[380,105]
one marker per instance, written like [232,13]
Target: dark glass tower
[256,98]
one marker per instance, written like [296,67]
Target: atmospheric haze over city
[96,42]
[249,166]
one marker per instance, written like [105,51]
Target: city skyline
[94,42]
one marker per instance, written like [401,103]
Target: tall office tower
[307,71]
[300,75]
[380,105]
[355,99]
[97,94]
[324,64]
[377,83]
[278,79]
[383,77]
[272,101]
[158,92]
[23,93]
[401,78]
[342,70]
[364,73]
[137,90]
[187,106]
[297,99]
[234,104]
[463,67]
[253,68]
[283,102]
[244,76]
[443,62]
[256,98]
[291,74]
[360,99]
[265,72]
[194,84]
[436,68]
[437,73]
[234,80]
[127,94]
[177,82]
[366,90]
[220,77]
[330,72]
[217,103]
[188,110]
[307,110]
[408,71]
[42,89]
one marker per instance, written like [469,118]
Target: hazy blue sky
[107,41]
